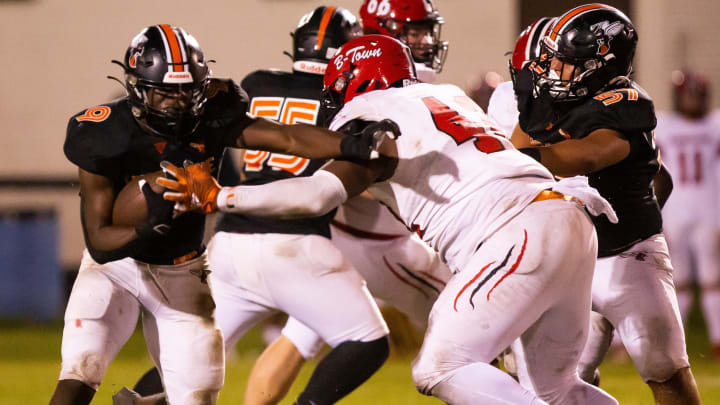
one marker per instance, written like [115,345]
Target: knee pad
[654,362]
[85,358]
[429,370]
[88,367]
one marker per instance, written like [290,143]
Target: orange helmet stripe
[569,15]
[177,60]
[323,26]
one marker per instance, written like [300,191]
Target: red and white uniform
[690,151]
[433,185]
[399,268]
[475,200]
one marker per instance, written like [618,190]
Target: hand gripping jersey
[457,181]
[106,140]
[690,150]
[289,98]
[627,185]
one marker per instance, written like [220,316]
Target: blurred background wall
[56,54]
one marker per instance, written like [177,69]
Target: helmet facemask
[423,39]
[570,83]
[332,99]
[154,108]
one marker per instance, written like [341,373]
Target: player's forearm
[299,140]
[562,163]
[109,243]
[113,244]
[291,198]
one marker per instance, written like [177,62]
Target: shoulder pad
[227,104]
[357,108]
[260,78]
[626,110]
[97,136]
[225,89]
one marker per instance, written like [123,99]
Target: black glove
[362,141]
[159,216]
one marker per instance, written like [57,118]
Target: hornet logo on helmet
[357,54]
[607,31]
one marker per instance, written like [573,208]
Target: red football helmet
[528,43]
[417,23]
[364,64]
[691,91]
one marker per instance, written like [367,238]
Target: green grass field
[30,362]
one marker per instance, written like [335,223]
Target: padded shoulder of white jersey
[366,107]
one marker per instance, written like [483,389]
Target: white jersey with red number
[502,107]
[690,150]
[367,214]
[457,181]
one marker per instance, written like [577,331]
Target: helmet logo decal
[606,32]
[132,62]
[357,54]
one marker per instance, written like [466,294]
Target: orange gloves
[193,186]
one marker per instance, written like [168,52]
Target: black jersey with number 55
[289,98]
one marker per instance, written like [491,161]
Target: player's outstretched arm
[600,149]
[104,240]
[314,142]
[194,188]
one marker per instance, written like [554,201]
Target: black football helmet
[318,36]
[169,60]
[599,42]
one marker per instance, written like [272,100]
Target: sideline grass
[30,362]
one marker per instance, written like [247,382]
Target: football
[130,207]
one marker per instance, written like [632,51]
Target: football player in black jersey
[577,101]
[360,334]
[303,273]
[381,242]
[173,111]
